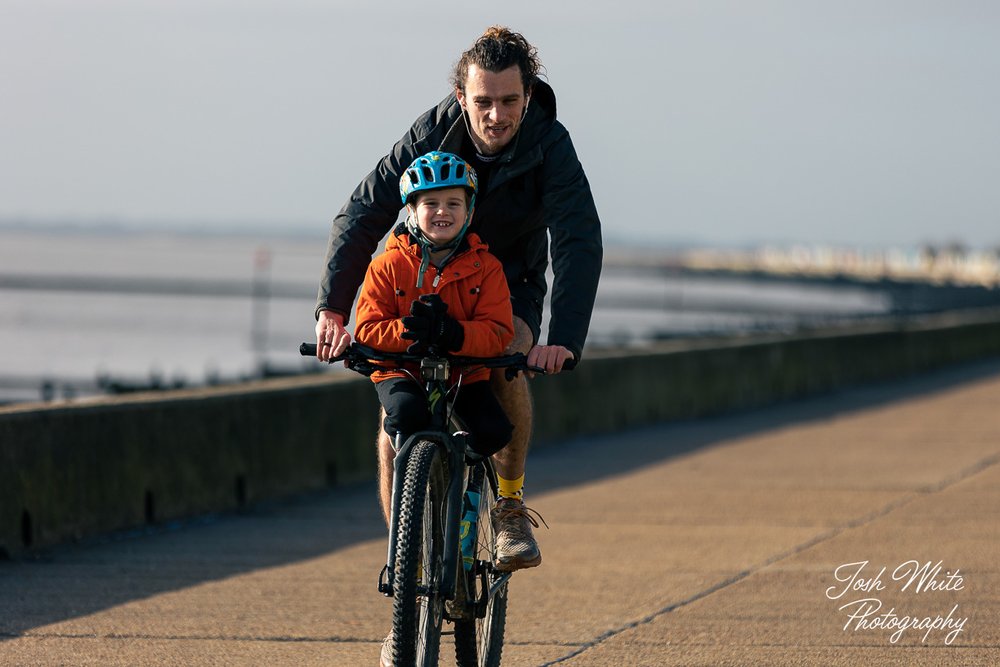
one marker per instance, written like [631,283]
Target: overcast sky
[869,123]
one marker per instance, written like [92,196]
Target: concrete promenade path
[818,532]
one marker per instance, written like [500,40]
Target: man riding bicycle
[534,200]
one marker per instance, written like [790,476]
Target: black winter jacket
[538,186]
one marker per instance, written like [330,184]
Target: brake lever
[362,366]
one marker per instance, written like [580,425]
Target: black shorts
[527,297]
[406,412]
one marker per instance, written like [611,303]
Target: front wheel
[479,640]
[418,609]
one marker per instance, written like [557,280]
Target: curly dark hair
[496,50]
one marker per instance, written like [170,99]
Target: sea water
[155,308]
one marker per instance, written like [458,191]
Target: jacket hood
[541,111]
[401,241]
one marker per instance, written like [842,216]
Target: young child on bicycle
[437,286]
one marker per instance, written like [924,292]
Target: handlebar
[361,355]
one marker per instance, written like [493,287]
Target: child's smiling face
[440,214]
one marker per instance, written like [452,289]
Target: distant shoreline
[194,230]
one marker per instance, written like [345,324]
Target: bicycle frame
[483,587]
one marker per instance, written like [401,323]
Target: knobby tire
[417,610]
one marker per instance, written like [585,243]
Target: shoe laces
[512,510]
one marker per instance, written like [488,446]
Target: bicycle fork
[387,575]
[453,508]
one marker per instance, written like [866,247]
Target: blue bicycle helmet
[435,171]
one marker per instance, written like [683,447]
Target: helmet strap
[426,247]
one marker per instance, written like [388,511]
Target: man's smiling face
[494,103]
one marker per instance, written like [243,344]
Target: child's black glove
[419,324]
[430,325]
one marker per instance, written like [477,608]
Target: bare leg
[386,454]
[515,398]
[516,547]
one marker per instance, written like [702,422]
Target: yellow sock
[511,488]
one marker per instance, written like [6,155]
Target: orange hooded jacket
[472,283]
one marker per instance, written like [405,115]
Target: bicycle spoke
[479,641]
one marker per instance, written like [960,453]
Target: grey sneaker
[516,546]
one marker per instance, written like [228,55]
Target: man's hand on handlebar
[332,337]
[550,357]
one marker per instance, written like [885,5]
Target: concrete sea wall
[75,470]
